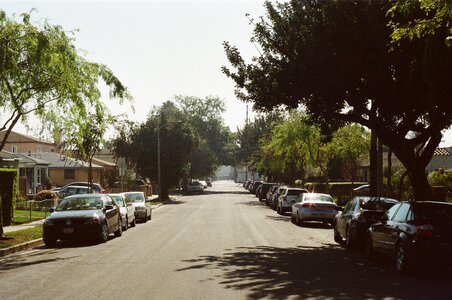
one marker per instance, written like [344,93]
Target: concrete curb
[21,247]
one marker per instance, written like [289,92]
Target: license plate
[68,230]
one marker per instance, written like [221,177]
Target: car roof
[85,196]
[374,198]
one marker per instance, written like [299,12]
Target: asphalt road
[223,244]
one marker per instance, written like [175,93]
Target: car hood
[75,214]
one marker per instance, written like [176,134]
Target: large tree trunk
[418,178]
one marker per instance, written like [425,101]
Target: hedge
[8,192]
[342,191]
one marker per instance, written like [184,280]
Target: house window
[69,173]
[14,149]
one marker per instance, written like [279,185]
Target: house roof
[15,137]
[59,161]
[442,151]
[102,162]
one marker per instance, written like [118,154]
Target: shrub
[9,193]
[45,195]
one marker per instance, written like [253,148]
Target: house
[64,169]
[442,159]
[22,143]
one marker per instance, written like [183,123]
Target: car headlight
[48,222]
[94,220]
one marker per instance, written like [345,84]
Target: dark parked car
[270,193]
[414,234]
[83,216]
[265,187]
[359,213]
[275,196]
[255,185]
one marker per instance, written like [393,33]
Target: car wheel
[145,217]
[299,221]
[50,242]
[337,236]
[134,222]
[369,248]
[118,232]
[401,258]
[278,210]
[349,240]
[150,215]
[125,226]
[103,233]
[292,219]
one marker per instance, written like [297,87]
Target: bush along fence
[8,193]
[341,191]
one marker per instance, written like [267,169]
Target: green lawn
[23,216]
[21,236]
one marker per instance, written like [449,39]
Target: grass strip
[21,236]
[23,216]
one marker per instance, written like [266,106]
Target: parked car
[72,190]
[195,187]
[255,185]
[314,207]
[359,213]
[83,216]
[258,190]
[209,182]
[414,234]
[143,209]
[97,188]
[288,197]
[204,183]
[127,211]
[275,197]
[270,193]
[265,187]
[362,190]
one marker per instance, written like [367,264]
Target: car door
[346,216]
[396,225]
[382,230]
[111,214]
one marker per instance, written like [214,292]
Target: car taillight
[424,231]
[308,205]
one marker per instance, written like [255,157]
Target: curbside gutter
[39,242]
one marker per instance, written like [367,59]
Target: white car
[204,183]
[314,207]
[288,197]
[195,187]
[143,209]
[127,211]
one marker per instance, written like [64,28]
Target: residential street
[223,244]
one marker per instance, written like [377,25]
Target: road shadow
[174,202]
[16,261]
[327,272]
[318,225]
[279,218]
[226,192]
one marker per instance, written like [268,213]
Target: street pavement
[223,244]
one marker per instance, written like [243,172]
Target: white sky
[159,49]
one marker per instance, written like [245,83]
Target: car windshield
[317,197]
[135,197]
[377,203]
[80,203]
[294,192]
[118,200]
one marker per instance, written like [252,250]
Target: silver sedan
[127,210]
[314,207]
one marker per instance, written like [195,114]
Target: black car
[269,197]
[254,187]
[265,187]
[414,232]
[83,216]
[359,213]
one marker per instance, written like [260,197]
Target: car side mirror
[107,207]
[52,209]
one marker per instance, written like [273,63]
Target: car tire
[49,242]
[292,219]
[145,217]
[349,240]
[134,222]
[118,232]
[150,215]
[298,219]
[369,248]
[337,236]
[278,210]
[401,258]
[103,234]
[124,228]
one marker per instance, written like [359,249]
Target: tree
[177,142]
[336,59]
[43,74]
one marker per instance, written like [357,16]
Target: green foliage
[9,194]
[22,236]
[45,195]
[335,58]
[441,178]
[42,73]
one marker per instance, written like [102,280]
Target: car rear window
[317,197]
[377,204]
[295,192]
[432,212]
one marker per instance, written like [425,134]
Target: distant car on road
[127,211]
[72,190]
[195,187]
[97,188]
[414,234]
[314,207]
[83,216]
[204,183]
[143,209]
[209,182]
[359,213]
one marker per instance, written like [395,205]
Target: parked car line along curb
[39,242]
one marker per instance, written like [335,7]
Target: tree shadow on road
[20,260]
[327,272]
[208,192]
